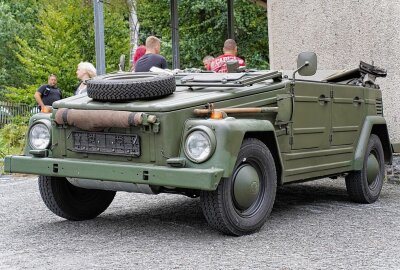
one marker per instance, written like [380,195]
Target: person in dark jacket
[48,93]
[152,57]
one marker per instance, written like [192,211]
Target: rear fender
[372,125]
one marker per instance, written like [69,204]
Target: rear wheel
[71,202]
[365,186]
[241,204]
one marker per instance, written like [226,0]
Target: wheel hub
[246,186]
[372,169]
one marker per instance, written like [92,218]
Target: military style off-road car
[228,138]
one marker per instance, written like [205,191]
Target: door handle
[323,99]
[358,101]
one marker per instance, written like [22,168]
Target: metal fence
[9,110]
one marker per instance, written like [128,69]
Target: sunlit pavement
[313,226]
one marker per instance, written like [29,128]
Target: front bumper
[204,179]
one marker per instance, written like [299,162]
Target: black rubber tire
[71,202]
[130,86]
[357,185]
[219,207]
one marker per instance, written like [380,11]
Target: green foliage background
[61,34]
[12,136]
[39,37]
[203,29]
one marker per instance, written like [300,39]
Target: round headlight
[39,136]
[199,145]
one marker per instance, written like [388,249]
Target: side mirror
[307,63]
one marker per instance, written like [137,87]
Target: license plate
[107,143]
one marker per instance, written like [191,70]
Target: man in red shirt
[230,52]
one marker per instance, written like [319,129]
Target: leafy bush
[22,95]
[12,135]
[63,37]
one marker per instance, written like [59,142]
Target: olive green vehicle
[229,139]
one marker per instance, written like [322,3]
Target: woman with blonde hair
[84,72]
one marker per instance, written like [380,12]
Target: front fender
[229,133]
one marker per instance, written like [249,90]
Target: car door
[348,104]
[310,127]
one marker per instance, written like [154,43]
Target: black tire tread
[212,205]
[356,185]
[48,198]
[155,85]
[212,210]
[52,190]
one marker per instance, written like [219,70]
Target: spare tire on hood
[129,86]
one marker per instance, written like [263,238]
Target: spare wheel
[128,86]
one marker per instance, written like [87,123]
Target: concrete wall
[341,32]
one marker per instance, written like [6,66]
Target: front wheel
[241,204]
[365,186]
[71,202]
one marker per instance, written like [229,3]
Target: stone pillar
[341,33]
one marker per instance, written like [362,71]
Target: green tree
[45,36]
[154,18]
[252,34]
[22,94]
[203,29]
[116,35]
[17,18]
[56,50]
[65,38]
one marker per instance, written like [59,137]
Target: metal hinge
[291,140]
[330,137]
[331,93]
[287,130]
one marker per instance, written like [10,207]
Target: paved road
[312,226]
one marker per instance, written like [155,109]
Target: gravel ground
[312,226]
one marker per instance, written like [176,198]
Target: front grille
[379,107]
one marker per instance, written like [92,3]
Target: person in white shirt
[84,72]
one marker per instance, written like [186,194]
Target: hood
[183,97]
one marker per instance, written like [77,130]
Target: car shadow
[309,193]
[182,215]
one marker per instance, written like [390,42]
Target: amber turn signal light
[217,115]
[46,109]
